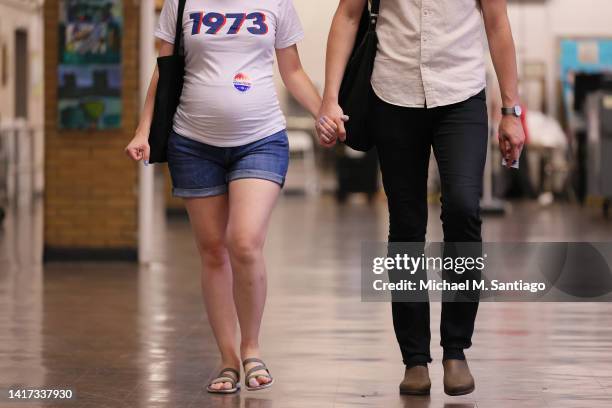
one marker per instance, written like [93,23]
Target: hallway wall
[21,15]
[538,27]
[90,198]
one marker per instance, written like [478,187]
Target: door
[21,74]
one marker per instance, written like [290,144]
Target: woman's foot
[226,382]
[256,373]
[416,381]
[231,370]
[458,379]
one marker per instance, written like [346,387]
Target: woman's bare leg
[250,205]
[209,222]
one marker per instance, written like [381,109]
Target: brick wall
[91,186]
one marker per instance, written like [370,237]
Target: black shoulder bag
[171,70]
[356,91]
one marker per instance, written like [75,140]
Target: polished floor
[123,336]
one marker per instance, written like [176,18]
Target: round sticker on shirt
[242,82]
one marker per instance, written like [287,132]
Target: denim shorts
[201,170]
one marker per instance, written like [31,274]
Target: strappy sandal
[249,374]
[223,377]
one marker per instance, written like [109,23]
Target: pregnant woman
[228,156]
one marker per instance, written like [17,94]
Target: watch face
[518,111]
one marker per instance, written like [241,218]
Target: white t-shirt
[229,97]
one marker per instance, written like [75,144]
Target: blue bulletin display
[89,69]
[585,55]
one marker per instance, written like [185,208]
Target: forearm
[511,136]
[340,44]
[302,89]
[147,111]
[503,54]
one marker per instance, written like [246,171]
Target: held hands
[330,124]
[511,139]
[138,149]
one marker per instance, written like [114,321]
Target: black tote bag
[355,90]
[171,70]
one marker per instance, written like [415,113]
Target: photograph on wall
[89,71]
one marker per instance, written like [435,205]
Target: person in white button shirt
[228,156]
[428,83]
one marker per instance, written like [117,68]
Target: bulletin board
[586,55]
[89,69]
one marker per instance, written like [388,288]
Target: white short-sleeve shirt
[229,97]
[430,52]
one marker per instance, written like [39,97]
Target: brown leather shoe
[457,377]
[416,381]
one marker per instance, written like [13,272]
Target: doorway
[21,74]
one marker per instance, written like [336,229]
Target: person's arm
[296,80]
[138,148]
[340,44]
[501,45]
[300,86]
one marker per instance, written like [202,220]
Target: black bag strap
[178,33]
[374,14]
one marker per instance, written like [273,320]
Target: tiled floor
[123,336]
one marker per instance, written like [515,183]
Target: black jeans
[404,139]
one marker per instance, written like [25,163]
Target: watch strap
[509,111]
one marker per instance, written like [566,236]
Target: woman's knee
[460,205]
[244,248]
[407,220]
[213,252]
[461,215]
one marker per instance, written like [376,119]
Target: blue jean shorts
[201,170]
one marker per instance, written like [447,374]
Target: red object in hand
[524,123]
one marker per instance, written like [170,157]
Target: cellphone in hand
[515,164]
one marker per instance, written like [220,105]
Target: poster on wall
[89,71]
[582,55]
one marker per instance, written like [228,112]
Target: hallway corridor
[123,336]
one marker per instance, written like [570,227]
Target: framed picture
[89,70]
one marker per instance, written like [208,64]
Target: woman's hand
[330,125]
[138,149]
[326,131]
[511,138]
[340,42]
